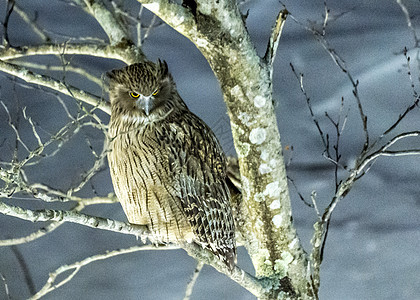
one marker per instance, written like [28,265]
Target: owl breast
[143,164]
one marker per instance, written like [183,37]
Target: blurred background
[373,246]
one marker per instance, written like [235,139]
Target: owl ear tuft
[163,67]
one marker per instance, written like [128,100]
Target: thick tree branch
[115,31]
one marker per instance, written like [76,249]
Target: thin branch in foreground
[33,25]
[6,287]
[74,268]
[25,270]
[190,285]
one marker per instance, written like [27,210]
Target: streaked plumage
[167,167]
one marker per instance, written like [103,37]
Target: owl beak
[146,104]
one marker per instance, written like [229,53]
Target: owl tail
[227,255]
[229,258]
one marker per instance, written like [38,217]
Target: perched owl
[167,166]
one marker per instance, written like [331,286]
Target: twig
[299,77]
[273,43]
[23,265]
[70,68]
[191,284]
[320,37]
[33,25]
[54,84]
[75,267]
[6,287]
[409,24]
[31,237]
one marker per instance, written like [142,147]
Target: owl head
[143,88]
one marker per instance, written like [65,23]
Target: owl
[167,166]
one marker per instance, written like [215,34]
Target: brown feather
[168,168]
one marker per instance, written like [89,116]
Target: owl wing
[200,177]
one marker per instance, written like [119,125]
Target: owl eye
[134,95]
[155,92]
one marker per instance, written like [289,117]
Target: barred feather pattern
[168,168]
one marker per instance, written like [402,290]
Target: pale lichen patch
[259,223]
[277,220]
[264,169]
[293,243]
[272,189]
[275,204]
[259,101]
[201,43]
[264,154]
[281,265]
[257,136]
[153,7]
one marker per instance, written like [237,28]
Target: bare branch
[54,84]
[190,285]
[50,285]
[117,34]
[124,54]
[33,25]
[252,284]
[70,68]
[409,24]
[299,77]
[6,287]
[383,151]
[74,217]
[31,237]
[273,43]
[320,37]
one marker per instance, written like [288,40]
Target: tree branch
[190,285]
[54,84]
[273,43]
[255,286]
[74,217]
[50,285]
[116,33]
[118,52]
